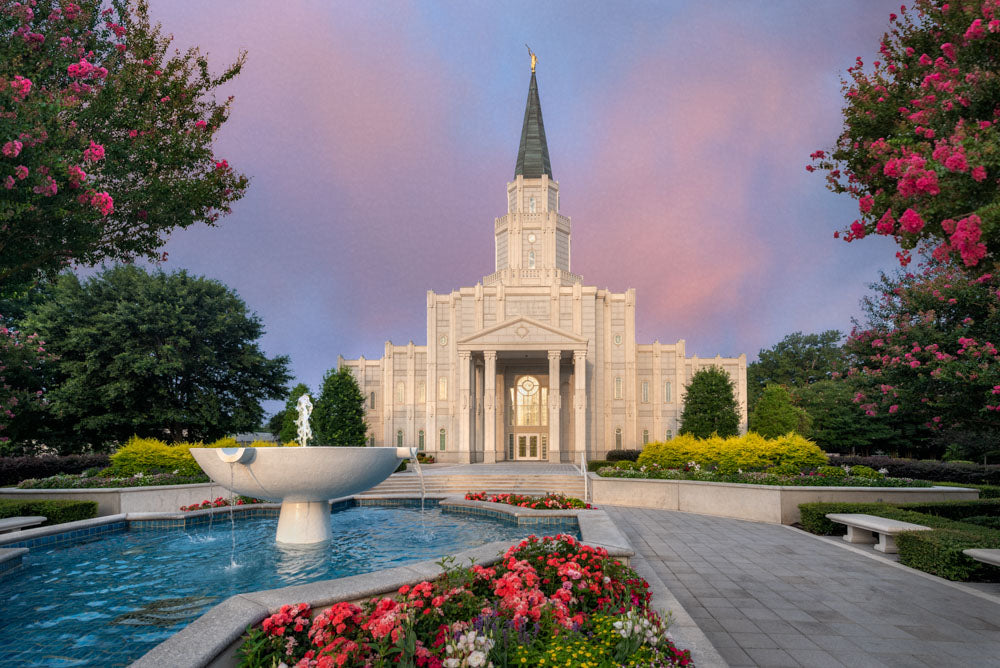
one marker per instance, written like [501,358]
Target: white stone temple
[531,363]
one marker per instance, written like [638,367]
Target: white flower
[476,659]
[884,471]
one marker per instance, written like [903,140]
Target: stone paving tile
[768,596]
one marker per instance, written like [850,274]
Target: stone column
[464,371]
[490,407]
[580,402]
[477,399]
[553,407]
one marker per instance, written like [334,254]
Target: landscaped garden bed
[55,512]
[221,502]
[549,602]
[547,502]
[84,481]
[955,526]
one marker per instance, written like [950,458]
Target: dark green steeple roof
[533,153]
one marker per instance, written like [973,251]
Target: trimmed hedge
[750,452]
[985,491]
[939,551]
[15,469]
[56,512]
[595,464]
[623,455]
[927,470]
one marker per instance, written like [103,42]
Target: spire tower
[533,153]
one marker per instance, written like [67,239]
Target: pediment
[523,333]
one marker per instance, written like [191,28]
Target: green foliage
[623,455]
[988,521]
[985,491]
[840,425]
[55,512]
[152,355]
[289,430]
[149,456]
[339,413]
[596,464]
[939,552]
[865,472]
[775,415]
[401,467]
[101,481]
[710,405]
[750,452]
[15,469]
[831,472]
[153,112]
[797,360]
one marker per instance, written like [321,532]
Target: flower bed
[221,502]
[82,481]
[815,478]
[549,602]
[547,502]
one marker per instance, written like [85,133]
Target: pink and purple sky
[379,138]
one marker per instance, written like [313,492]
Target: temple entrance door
[528,438]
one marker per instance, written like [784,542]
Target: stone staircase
[407,484]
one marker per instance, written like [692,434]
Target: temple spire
[533,153]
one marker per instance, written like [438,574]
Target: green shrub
[149,455]
[956,510]
[56,512]
[750,452]
[940,552]
[990,521]
[933,513]
[401,467]
[595,464]
[625,464]
[622,455]
[865,472]
[831,472]
[985,491]
[785,468]
[15,469]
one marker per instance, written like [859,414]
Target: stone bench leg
[886,544]
[857,535]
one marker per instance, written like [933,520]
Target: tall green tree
[840,425]
[339,412]
[157,355]
[106,140]
[795,361]
[775,414]
[710,405]
[287,429]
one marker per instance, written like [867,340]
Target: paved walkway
[767,595]
[502,468]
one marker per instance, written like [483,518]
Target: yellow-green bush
[151,455]
[751,452]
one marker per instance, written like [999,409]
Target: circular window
[618,339]
[527,385]
[531,238]
[444,339]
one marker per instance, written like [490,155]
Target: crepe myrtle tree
[105,137]
[920,149]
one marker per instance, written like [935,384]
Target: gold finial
[534,59]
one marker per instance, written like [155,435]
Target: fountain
[303,479]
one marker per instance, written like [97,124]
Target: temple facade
[531,364]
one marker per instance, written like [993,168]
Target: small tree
[23,359]
[339,414]
[288,430]
[775,415]
[840,425]
[710,405]
[795,361]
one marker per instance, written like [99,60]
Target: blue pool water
[109,600]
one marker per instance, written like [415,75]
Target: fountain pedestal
[303,480]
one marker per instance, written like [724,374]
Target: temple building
[531,363]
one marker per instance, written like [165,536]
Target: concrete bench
[8,524]
[991,557]
[868,529]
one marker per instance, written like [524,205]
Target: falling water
[232,521]
[420,475]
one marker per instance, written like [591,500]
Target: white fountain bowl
[302,479]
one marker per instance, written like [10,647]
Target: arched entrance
[528,435]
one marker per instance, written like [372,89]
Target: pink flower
[21,87]
[80,69]
[949,50]
[893,408]
[887,224]
[865,203]
[975,31]
[94,153]
[12,149]
[979,173]
[8,183]
[222,165]
[21,172]
[48,189]
[76,176]
[201,125]
[911,221]
[103,203]
[956,162]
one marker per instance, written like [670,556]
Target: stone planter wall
[761,503]
[112,501]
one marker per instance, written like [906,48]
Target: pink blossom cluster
[21,87]
[12,149]
[93,153]
[102,202]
